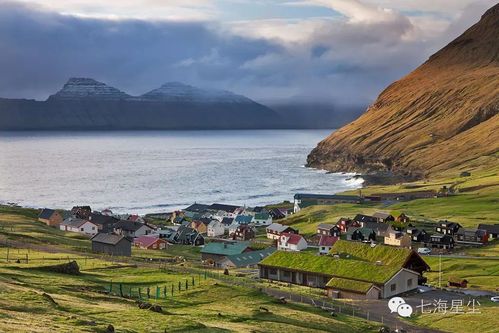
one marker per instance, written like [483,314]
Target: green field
[82,303]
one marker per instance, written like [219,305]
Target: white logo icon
[397,304]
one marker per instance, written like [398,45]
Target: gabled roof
[102,219]
[147,241]
[46,213]
[130,225]
[74,222]
[223,207]
[225,248]
[349,284]
[243,219]
[382,215]
[227,221]
[262,216]
[109,238]
[490,228]
[277,227]
[292,238]
[477,232]
[327,240]
[214,223]
[357,261]
[250,258]
[381,227]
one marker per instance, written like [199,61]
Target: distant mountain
[85,89]
[441,116]
[179,92]
[86,104]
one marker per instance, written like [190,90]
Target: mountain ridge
[439,116]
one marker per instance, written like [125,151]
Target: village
[356,257]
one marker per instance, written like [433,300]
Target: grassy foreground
[81,302]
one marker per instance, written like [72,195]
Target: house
[104,223]
[262,218]
[150,243]
[440,241]
[275,230]
[403,196]
[472,236]
[361,234]
[245,259]
[227,221]
[417,235]
[356,270]
[345,223]
[112,244]
[215,229]
[243,219]
[132,229]
[74,224]
[402,218]
[328,230]
[326,242]
[291,242]
[50,217]
[199,226]
[186,236]
[380,229]
[397,238]
[81,212]
[136,218]
[383,217]
[278,213]
[491,229]
[223,210]
[365,219]
[302,200]
[196,210]
[244,232]
[213,252]
[447,227]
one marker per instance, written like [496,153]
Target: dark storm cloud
[40,50]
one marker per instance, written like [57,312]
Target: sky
[336,51]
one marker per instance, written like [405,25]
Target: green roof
[388,255]
[262,216]
[349,284]
[364,231]
[327,265]
[250,258]
[225,249]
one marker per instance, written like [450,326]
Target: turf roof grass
[388,255]
[348,284]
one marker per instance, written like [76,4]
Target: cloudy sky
[341,51]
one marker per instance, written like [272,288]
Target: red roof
[146,241]
[133,218]
[293,238]
[327,240]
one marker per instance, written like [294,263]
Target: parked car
[424,250]
[495,299]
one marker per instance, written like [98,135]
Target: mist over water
[144,172]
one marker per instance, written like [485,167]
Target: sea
[160,171]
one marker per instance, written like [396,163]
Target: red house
[150,243]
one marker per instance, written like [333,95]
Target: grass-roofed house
[351,270]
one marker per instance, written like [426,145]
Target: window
[409,283]
[286,274]
[81,229]
[273,271]
[393,287]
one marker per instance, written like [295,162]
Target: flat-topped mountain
[440,116]
[85,88]
[86,104]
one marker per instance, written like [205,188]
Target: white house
[326,243]
[215,228]
[291,242]
[262,219]
[275,230]
[232,228]
[81,226]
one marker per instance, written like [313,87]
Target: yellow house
[396,238]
